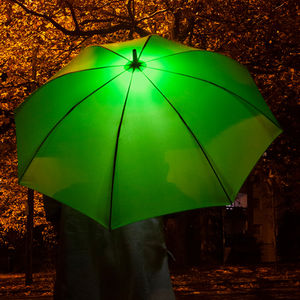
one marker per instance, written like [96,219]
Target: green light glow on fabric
[180,129]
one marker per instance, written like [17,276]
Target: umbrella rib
[114,52]
[63,117]
[194,136]
[91,69]
[149,37]
[172,54]
[221,87]
[116,152]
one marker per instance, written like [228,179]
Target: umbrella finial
[135,63]
[134,56]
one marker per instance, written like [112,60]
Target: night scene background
[249,250]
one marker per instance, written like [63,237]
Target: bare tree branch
[152,15]
[190,30]
[73,14]
[130,9]
[133,8]
[78,32]
[142,32]
[96,21]
[125,25]
[176,24]
[53,22]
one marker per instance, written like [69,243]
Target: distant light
[240,201]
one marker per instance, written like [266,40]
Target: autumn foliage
[38,37]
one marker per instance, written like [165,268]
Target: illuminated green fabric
[120,141]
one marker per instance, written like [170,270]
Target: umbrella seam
[116,152]
[51,80]
[65,115]
[194,136]
[177,53]
[90,69]
[221,87]
[149,37]
[113,52]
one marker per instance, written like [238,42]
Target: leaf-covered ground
[226,282]
[239,282]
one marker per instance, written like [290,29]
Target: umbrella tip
[135,62]
[134,56]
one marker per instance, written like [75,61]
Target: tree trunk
[29,235]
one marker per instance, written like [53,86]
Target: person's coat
[128,263]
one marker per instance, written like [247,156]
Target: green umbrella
[133,130]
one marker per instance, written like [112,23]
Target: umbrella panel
[74,165]
[217,69]
[40,113]
[159,168]
[232,133]
[92,57]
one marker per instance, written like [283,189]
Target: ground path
[226,282]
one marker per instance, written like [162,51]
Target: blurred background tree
[38,37]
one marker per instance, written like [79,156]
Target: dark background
[37,38]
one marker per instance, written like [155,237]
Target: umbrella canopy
[133,130]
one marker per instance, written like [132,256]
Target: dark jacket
[128,263]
